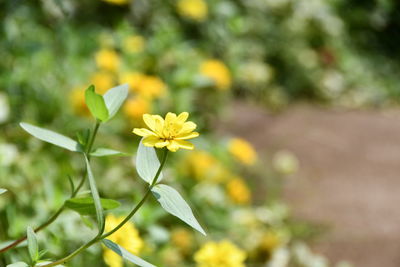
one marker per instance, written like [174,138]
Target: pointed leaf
[114,98]
[51,137]
[96,104]
[85,205]
[18,264]
[147,163]
[173,203]
[32,244]
[102,152]
[2,190]
[126,254]
[96,197]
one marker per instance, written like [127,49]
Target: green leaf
[96,104]
[18,264]
[147,163]
[32,244]
[173,203]
[126,254]
[96,197]
[51,137]
[103,152]
[85,205]
[114,98]
[2,190]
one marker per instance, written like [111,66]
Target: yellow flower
[242,151]
[182,239]
[222,254]
[117,2]
[151,87]
[133,44]
[103,81]
[171,132]
[147,86]
[193,9]
[203,166]
[238,191]
[107,59]
[127,237]
[134,108]
[218,72]
[270,241]
[77,98]
[133,79]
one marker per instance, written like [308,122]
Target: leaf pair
[147,165]
[105,107]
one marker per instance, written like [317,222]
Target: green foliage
[96,104]
[2,191]
[173,203]
[103,152]
[114,98]
[147,163]
[126,254]
[85,205]
[51,137]
[33,246]
[96,197]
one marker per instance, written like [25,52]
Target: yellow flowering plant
[118,234]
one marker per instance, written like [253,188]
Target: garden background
[296,102]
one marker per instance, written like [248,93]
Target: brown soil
[349,177]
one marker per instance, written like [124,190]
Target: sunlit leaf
[2,190]
[95,195]
[96,104]
[126,254]
[173,203]
[51,137]
[32,244]
[114,98]
[103,152]
[18,264]
[85,205]
[147,163]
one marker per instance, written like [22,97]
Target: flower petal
[187,127]
[183,117]
[185,144]
[150,120]
[143,132]
[173,146]
[170,118]
[162,144]
[186,136]
[151,140]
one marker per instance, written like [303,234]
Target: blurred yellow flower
[203,166]
[133,44]
[77,99]
[107,59]
[222,254]
[270,241]
[242,151]
[147,86]
[102,81]
[117,2]
[127,237]
[132,78]
[238,191]
[151,86]
[285,162]
[134,108]
[182,239]
[193,9]
[217,71]
[171,132]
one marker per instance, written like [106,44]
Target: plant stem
[61,209]
[135,209]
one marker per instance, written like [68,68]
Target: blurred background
[296,102]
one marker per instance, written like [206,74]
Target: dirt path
[349,178]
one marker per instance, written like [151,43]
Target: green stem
[61,209]
[135,209]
